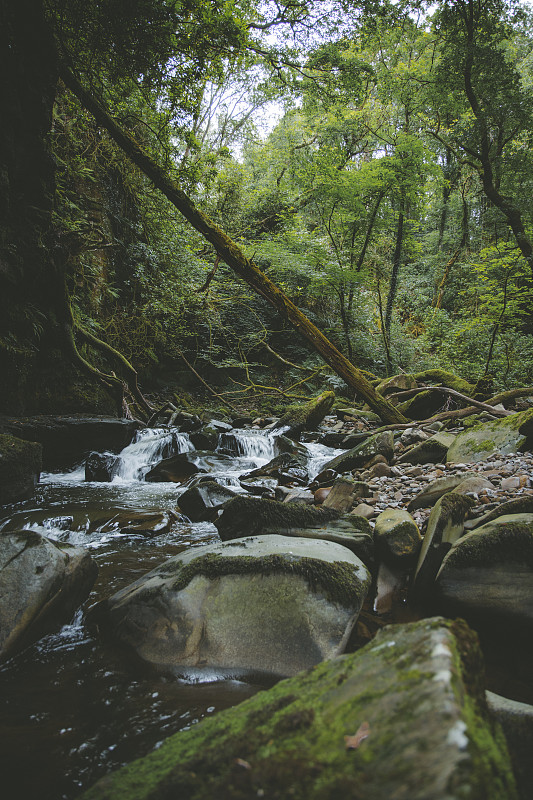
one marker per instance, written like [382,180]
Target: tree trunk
[393,286]
[233,255]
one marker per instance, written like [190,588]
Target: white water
[150,446]
[250,443]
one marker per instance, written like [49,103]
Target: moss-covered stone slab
[519,505]
[343,493]
[20,467]
[435,490]
[487,576]
[380,444]
[430,451]
[306,416]
[445,526]
[504,436]
[397,536]
[403,718]
[42,584]
[268,603]
[516,720]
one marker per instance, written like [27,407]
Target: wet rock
[20,467]
[265,603]
[404,717]
[430,451]
[201,502]
[42,584]
[396,536]
[516,720]
[504,436]
[67,440]
[487,576]
[143,523]
[378,444]
[100,467]
[320,494]
[286,468]
[176,469]
[445,526]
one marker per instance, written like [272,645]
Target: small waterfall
[150,446]
[250,443]
[319,455]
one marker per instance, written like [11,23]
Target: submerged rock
[42,584]
[20,468]
[405,718]
[266,603]
[487,576]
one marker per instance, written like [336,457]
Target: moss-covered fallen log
[233,256]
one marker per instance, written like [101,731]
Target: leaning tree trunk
[229,252]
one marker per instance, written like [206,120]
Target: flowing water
[73,707]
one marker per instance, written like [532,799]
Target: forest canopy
[371,160]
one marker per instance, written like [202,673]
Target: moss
[308,415]
[446,379]
[338,580]
[509,541]
[245,516]
[292,737]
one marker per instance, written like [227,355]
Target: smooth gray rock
[430,451]
[42,584]
[397,536]
[378,444]
[487,576]
[435,490]
[516,720]
[268,603]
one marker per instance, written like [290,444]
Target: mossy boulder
[266,603]
[436,489]
[504,436]
[20,467]
[487,576]
[396,383]
[306,416]
[247,516]
[397,536]
[405,718]
[445,526]
[379,444]
[444,378]
[42,583]
[202,501]
[430,451]
[519,505]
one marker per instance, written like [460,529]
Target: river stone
[286,468]
[42,584]
[487,576]
[397,536]
[100,466]
[343,493]
[516,720]
[435,490]
[396,383]
[445,526]
[403,718]
[20,468]
[430,451]
[378,444]
[201,502]
[504,436]
[306,416]
[474,485]
[520,505]
[266,603]
[176,469]
[353,532]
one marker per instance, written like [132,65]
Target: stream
[73,707]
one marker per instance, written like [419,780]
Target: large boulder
[20,467]
[265,603]
[42,584]
[430,451]
[405,717]
[436,489]
[247,516]
[380,444]
[201,501]
[175,469]
[66,440]
[487,576]
[504,436]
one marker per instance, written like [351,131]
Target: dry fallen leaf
[362,733]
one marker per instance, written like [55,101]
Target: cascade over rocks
[264,603]
[404,717]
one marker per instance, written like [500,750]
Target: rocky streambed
[230,557]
